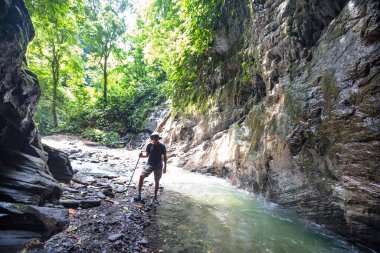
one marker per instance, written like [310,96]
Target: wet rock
[91,143]
[70,189]
[109,176]
[119,189]
[101,195]
[90,203]
[297,138]
[143,241]
[70,203]
[80,156]
[108,192]
[59,164]
[115,237]
[16,239]
[83,179]
[42,220]
[135,216]
[73,151]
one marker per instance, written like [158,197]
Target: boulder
[26,185]
[11,240]
[59,164]
[45,221]
[26,179]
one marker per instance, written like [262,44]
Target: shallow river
[199,213]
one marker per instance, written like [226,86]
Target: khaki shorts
[156,169]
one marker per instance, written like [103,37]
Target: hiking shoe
[155,201]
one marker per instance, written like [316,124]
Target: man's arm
[165,159]
[146,152]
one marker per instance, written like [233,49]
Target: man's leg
[157,177]
[156,186]
[145,173]
[141,181]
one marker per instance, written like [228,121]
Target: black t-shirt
[155,153]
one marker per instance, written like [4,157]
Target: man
[155,151]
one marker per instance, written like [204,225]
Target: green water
[204,214]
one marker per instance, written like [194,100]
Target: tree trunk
[54,104]
[55,73]
[105,81]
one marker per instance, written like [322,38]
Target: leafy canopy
[97,73]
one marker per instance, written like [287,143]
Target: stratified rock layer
[295,112]
[28,191]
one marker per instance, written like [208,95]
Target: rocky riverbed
[197,213]
[103,215]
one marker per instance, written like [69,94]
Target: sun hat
[155,136]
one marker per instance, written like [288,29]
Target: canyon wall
[28,192]
[295,110]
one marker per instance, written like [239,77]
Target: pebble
[143,241]
[101,195]
[115,237]
[119,190]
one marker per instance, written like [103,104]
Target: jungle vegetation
[104,66]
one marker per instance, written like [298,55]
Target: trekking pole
[132,176]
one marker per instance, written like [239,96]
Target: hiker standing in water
[156,153]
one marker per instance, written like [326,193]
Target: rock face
[59,164]
[28,191]
[295,111]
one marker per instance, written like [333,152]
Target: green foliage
[101,35]
[110,139]
[99,78]
[93,134]
[179,35]
[54,55]
[92,75]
